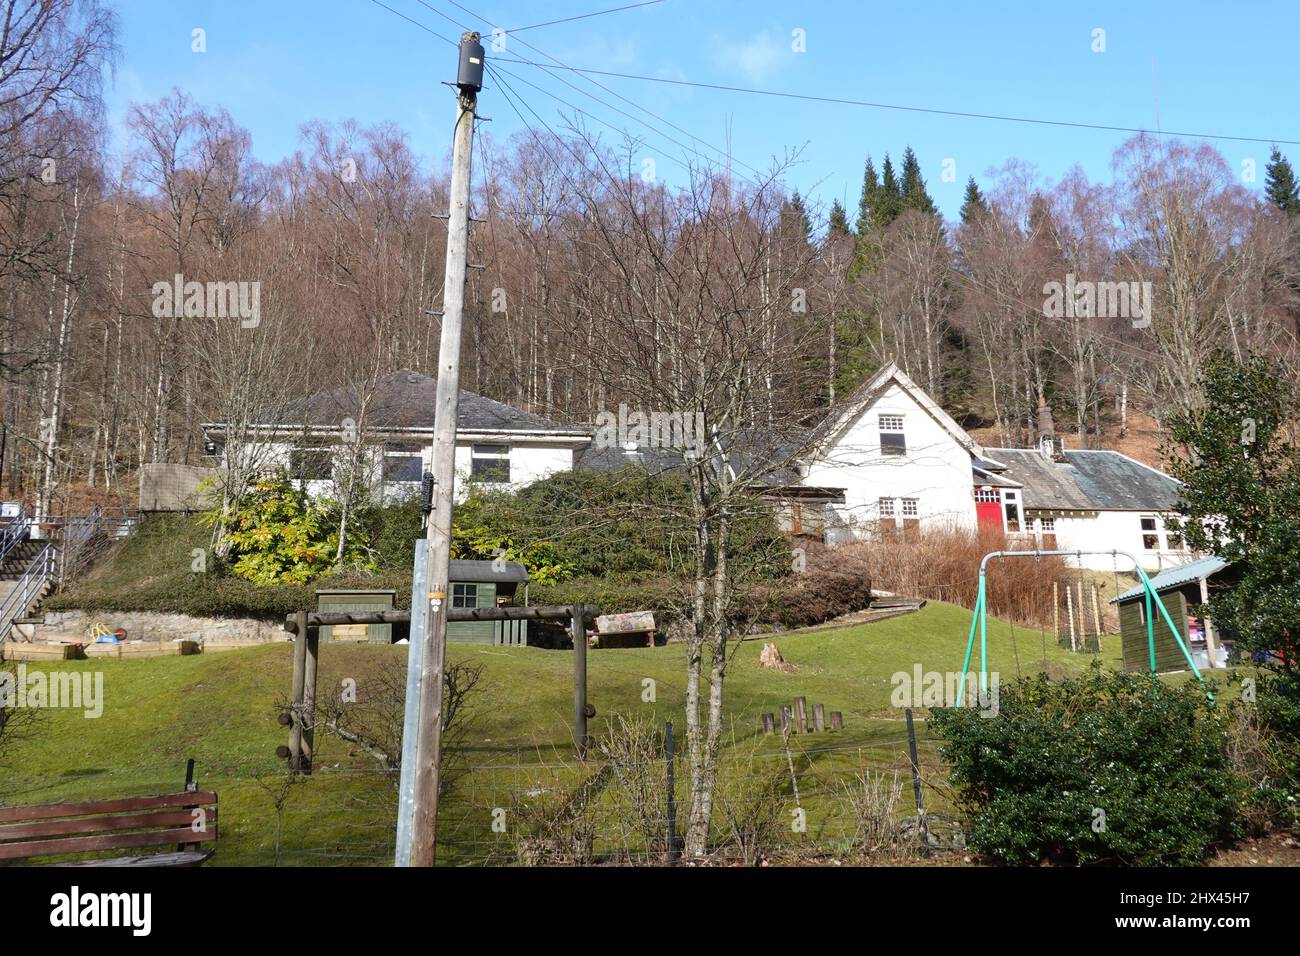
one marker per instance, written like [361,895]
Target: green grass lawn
[222,710]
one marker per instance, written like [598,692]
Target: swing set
[979,618]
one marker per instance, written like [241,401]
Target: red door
[988,508]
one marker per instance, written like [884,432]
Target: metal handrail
[14,531]
[26,589]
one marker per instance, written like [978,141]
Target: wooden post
[309,698]
[580,681]
[916,779]
[1096,615]
[786,720]
[801,715]
[299,673]
[1056,612]
[428,742]
[1069,613]
[1083,617]
[1211,645]
[837,720]
[819,717]
[674,854]
[769,725]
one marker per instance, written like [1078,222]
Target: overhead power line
[1003,118]
[585,16]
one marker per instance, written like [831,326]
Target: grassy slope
[222,708]
[152,571]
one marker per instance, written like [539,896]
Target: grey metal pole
[424,823]
[411,720]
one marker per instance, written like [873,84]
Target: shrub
[280,535]
[1265,748]
[616,594]
[1102,768]
[835,581]
[943,565]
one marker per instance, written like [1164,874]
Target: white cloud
[757,58]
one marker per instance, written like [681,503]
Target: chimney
[1049,445]
[1046,426]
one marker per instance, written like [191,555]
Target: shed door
[988,508]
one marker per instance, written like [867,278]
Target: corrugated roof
[1176,577]
[1088,481]
[406,399]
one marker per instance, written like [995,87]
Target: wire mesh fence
[774,799]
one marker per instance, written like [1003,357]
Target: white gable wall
[1121,530]
[936,470]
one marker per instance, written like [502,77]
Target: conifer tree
[889,202]
[839,221]
[973,204]
[1280,184]
[914,193]
[870,196]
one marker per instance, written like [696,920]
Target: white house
[889,460]
[905,464]
[496,444]
[902,461]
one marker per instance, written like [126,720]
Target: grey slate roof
[1087,481]
[469,572]
[748,452]
[1176,577]
[994,479]
[406,399]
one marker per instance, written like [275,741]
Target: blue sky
[1223,69]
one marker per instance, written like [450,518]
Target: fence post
[581,740]
[299,673]
[674,854]
[308,746]
[916,780]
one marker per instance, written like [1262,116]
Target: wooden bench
[187,819]
[634,629]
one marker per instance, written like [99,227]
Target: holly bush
[1107,768]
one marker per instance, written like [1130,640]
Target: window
[490,463]
[311,464]
[464,595]
[1150,535]
[1013,512]
[885,512]
[894,514]
[403,467]
[987,495]
[892,439]
[1047,533]
[911,519]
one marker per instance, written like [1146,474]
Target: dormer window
[892,439]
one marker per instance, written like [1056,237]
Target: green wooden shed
[486,584]
[335,600]
[1184,591]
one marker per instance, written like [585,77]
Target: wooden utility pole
[428,752]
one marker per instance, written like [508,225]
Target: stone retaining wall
[153,626]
